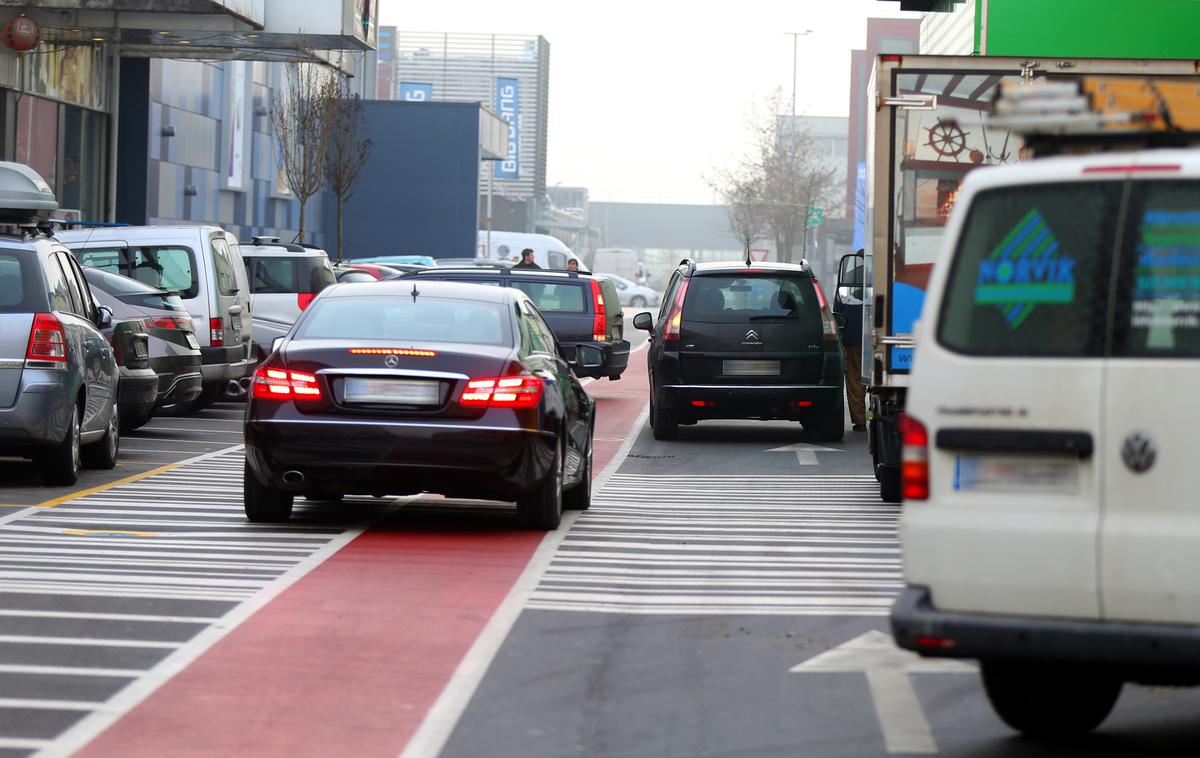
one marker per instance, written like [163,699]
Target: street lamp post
[795,39]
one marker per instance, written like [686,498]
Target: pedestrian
[573,265]
[527,259]
[852,352]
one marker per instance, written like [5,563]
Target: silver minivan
[204,265]
[58,375]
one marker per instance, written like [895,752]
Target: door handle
[235,310]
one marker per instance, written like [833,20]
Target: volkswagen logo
[392,361]
[1139,453]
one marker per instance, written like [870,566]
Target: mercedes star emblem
[392,361]
[1139,453]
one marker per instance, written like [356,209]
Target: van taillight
[828,325]
[600,320]
[303,299]
[914,459]
[524,391]
[47,340]
[216,332]
[672,328]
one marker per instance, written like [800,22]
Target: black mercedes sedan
[401,387]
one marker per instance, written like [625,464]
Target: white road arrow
[806,455]
[887,667]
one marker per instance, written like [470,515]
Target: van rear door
[1150,543]
[1009,388]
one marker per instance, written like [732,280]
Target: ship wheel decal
[947,139]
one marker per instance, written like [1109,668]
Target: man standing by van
[527,259]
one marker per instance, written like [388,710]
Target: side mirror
[850,270]
[588,357]
[276,343]
[104,317]
[643,321]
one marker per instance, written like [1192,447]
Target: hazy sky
[647,97]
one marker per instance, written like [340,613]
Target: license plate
[750,368]
[1017,474]
[192,343]
[235,323]
[397,391]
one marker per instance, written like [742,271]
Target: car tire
[579,497]
[264,504]
[827,425]
[103,453]
[637,302]
[60,464]
[889,484]
[542,508]
[1047,700]
[664,423]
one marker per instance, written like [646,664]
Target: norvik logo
[1025,270]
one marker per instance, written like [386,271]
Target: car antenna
[415,292]
[749,259]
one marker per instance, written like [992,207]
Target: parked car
[173,350]
[58,376]
[403,386]
[394,260]
[137,389]
[203,264]
[581,309]
[1049,528]
[745,341]
[632,294]
[284,279]
[374,271]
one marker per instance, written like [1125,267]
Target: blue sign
[416,92]
[508,105]
[860,206]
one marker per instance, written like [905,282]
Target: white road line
[12,668]
[21,639]
[439,721]
[15,743]
[33,613]
[692,610]
[46,705]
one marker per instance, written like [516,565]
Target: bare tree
[794,180]
[742,192]
[347,154]
[301,122]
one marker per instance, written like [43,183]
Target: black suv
[744,341]
[579,308]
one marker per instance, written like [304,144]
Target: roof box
[24,195]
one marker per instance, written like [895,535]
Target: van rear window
[554,298]
[737,299]
[279,275]
[20,284]
[1031,272]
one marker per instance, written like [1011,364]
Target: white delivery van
[1050,527]
[548,252]
[621,261]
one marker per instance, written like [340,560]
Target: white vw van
[548,252]
[1050,526]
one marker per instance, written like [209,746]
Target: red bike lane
[350,658]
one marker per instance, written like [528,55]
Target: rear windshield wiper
[767,318]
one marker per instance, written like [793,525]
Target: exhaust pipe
[293,477]
[235,389]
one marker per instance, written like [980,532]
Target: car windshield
[131,291]
[428,319]
[285,275]
[748,298]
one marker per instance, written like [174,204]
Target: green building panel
[1092,28]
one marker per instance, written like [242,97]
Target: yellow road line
[93,490]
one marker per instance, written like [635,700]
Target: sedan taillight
[523,391]
[272,383]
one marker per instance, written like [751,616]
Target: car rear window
[165,267]
[426,319]
[130,291]
[20,285]
[281,275]
[555,297]
[1031,272]
[735,299]
[1158,290]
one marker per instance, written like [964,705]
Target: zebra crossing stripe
[679,544]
